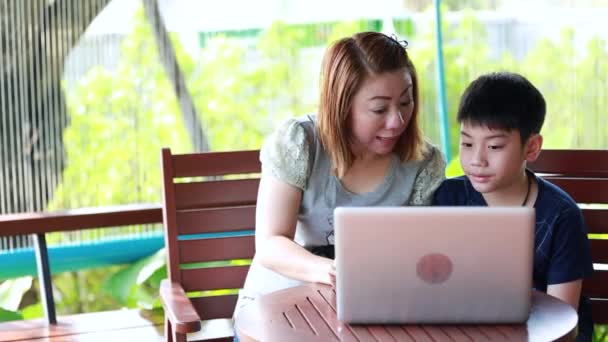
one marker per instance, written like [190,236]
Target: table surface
[308,312]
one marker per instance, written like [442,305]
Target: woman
[364,148]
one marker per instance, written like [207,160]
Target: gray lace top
[294,154]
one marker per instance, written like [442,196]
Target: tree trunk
[168,59]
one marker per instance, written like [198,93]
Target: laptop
[434,264]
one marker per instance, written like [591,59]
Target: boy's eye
[495,147]
[466,144]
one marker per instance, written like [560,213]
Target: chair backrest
[209,218]
[584,175]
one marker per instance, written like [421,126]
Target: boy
[501,115]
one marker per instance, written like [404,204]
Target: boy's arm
[570,262]
[569,292]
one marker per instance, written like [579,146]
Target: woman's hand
[328,272]
[332,275]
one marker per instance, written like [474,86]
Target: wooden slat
[599,311]
[215,306]
[596,220]
[474,333]
[202,279]
[169,219]
[322,301]
[380,333]
[148,334]
[242,247]
[315,319]
[599,252]
[221,339]
[216,193]
[77,219]
[216,163]
[417,333]
[597,285]
[572,162]
[79,324]
[583,190]
[216,219]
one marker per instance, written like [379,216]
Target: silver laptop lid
[434,264]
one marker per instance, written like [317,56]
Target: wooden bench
[584,175]
[209,218]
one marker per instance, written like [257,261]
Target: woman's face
[381,111]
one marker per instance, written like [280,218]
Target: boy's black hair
[503,100]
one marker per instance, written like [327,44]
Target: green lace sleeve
[430,176]
[285,154]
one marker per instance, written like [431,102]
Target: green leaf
[122,283]
[32,311]
[119,284]
[6,315]
[142,299]
[157,277]
[152,264]
[12,291]
[454,169]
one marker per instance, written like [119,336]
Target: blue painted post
[443,111]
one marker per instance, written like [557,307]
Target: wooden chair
[209,220]
[584,175]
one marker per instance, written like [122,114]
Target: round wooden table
[308,313]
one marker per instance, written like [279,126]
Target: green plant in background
[137,284]
[453,169]
[11,294]
[119,121]
[573,81]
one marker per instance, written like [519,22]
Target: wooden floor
[113,326]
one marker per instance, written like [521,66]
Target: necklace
[528,191]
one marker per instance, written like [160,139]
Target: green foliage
[453,168]
[137,285]
[573,81]
[32,311]
[80,291]
[12,291]
[600,333]
[11,294]
[7,315]
[118,123]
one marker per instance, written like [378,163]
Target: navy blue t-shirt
[562,252]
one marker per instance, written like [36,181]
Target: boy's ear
[533,147]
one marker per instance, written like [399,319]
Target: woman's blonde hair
[346,63]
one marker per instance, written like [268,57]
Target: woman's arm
[277,209]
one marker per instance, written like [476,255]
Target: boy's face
[492,159]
